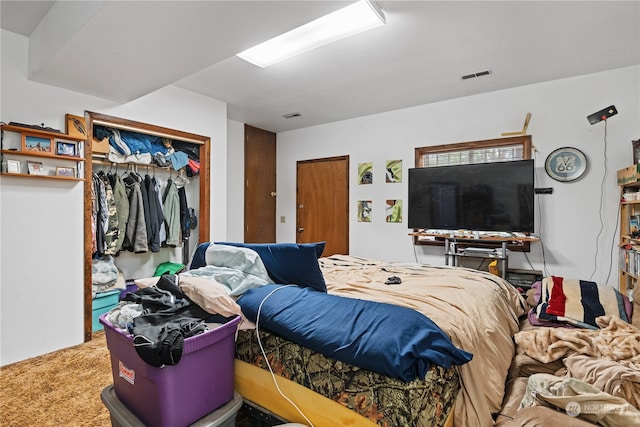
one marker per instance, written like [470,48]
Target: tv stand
[453,253]
[477,245]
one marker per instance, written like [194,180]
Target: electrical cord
[264,354]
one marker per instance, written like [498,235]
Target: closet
[196,188]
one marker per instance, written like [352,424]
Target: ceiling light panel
[350,20]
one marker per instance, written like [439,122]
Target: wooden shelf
[40,154]
[25,175]
[13,148]
[41,132]
[628,209]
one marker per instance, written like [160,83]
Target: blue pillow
[290,263]
[395,341]
[198,259]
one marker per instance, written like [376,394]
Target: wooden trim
[204,214]
[125,124]
[88,211]
[525,140]
[204,209]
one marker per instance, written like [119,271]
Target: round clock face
[566,164]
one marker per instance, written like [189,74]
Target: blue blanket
[392,340]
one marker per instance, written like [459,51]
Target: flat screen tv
[479,197]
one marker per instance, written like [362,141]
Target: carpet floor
[57,389]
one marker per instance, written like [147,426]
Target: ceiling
[122,50]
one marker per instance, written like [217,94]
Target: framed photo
[13,166]
[76,125]
[36,143]
[35,168]
[63,171]
[365,173]
[394,210]
[66,148]
[364,210]
[394,171]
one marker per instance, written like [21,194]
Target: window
[487,151]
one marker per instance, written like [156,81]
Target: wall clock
[566,164]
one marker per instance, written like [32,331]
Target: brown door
[260,185]
[323,203]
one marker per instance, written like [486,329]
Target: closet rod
[146,131]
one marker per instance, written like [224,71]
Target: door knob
[300,230]
[273,194]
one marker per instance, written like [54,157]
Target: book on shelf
[634,225]
[629,259]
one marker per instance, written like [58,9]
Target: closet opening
[168,172]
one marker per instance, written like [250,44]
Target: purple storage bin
[180,394]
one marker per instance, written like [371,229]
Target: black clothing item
[167,319]
[184,213]
[156,216]
[99,203]
[145,204]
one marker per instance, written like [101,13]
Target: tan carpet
[58,389]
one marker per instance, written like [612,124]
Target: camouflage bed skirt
[385,401]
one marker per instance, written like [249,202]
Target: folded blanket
[395,341]
[237,269]
[578,302]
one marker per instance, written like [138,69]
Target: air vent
[478,74]
[291,115]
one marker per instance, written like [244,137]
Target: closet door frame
[204,212]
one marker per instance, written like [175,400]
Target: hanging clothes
[156,218]
[136,231]
[94,218]
[111,230]
[162,233]
[101,211]
[171,208]
[184,213]
[145,205]
[121,201]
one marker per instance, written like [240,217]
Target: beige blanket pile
[479,311]
[608,358]
[616,340]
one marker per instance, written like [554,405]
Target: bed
[478,312]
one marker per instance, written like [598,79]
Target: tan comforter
[479,311]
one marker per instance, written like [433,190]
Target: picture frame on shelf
[36,143]
[13,166]
[66,148]
[75,125]
[66,171]
[35,168]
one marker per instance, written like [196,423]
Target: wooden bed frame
[256,385]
